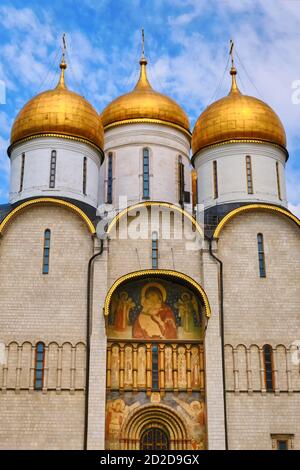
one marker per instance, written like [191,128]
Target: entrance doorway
[154,439]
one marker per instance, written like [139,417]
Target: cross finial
[64,44]
[143,43]
[231,52]
[62,65]
[233,72]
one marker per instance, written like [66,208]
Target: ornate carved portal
[155,367]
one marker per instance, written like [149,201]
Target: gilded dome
[237,117]
[59,112]
[143,104]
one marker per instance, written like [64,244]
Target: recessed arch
[160,416]
[44,201]
[167,205]
[156,273]
[253,207]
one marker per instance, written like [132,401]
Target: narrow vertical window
[249,175]
[154,250]
[146,174]
[155,379]
[194,188]
[282,441]
[261,255]
[215,179]
[52,169]
[39,366]
[282,444]
[268,365]
[84,175]
[278,181]
[46,254]
[109,196]
[181,181]
[22,172]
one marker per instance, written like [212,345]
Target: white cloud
[4,161]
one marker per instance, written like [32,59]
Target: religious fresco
[127,366]
[155,357]
[189,407]
[155,309]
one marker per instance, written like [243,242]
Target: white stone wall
[49,308]
[69,170]
[232,177]
[165,144]
[253,418]
[38,421]
[38,306]
[260,311]
[178,250]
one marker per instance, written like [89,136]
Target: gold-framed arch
[44,201]
[156,203]
[159,416]
[253,207]
[157,273]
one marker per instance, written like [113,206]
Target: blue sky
[186,45]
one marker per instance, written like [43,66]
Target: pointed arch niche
[155,384]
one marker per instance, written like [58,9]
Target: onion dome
[143,104]
[60,113]
[237,117]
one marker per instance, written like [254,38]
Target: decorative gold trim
[147,120]
[250,207]
[239,141]
[47,200]
[155,203]
[154,273]
[62,136]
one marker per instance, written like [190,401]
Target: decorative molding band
[155,203]
[61,136]
[253,207]
[148,121]
[47,200]
[239,141]
[156,273]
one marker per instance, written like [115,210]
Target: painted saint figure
[195,368]
[195,414]
[141,366]
[116,413]
[168,368]
[114,420]
[122,310]
[156,319]
[189,311]
[128,366]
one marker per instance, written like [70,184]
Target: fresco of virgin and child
[154,309]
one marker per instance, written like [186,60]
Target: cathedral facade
[149,299]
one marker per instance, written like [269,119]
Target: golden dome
[237,117]
[143,104]
[59,112]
